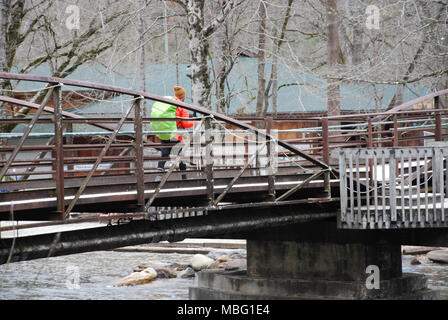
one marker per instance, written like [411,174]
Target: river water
[91,276]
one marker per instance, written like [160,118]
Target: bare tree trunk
[220,69]
[199,50]
[274,71]
[333,49]
[142,68]
[274,75]
[198,34]
[4,6]
[261,58]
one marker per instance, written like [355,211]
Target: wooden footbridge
[369,171]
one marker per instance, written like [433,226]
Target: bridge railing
[383,188]
[118,150]
[415,123]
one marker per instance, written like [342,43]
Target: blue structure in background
[300,93]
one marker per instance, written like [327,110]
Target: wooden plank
[343,186]
[375,186]
[419,217]
[352,198]
[208,168]
[270,150]
[358,218]
[403,204]
[383,186]
[392,183]
[366,219]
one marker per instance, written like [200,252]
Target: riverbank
[94,275]
[187,246]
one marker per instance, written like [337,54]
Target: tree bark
[261,58]
[334,58]
[4,7]
[199,50]
[222,65]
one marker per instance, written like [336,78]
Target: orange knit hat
[179,92]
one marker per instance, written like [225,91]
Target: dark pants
[166,153]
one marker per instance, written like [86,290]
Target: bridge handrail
[54,90]
[136,93]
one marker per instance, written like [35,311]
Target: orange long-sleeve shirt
[182,113]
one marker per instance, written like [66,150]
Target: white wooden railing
[383,188]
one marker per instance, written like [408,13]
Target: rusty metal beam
[220,222]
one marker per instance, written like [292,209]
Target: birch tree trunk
[4,5]
[220,67]
[333,48]
[261,58]
[199,50]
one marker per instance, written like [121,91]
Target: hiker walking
[165,110]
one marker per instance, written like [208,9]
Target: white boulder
[199,262]
[137,278]
[440,256]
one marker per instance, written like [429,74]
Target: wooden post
[208,169]
[343,188]
[270,155]
[438,129]
[392,188]
[59,150]
[70,140]
[138,145]
[396,142]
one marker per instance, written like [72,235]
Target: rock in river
[187,273]
[136,278]
[440,256]
[199,262]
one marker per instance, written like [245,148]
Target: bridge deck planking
[187,191]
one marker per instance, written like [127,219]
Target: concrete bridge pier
[282,268]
